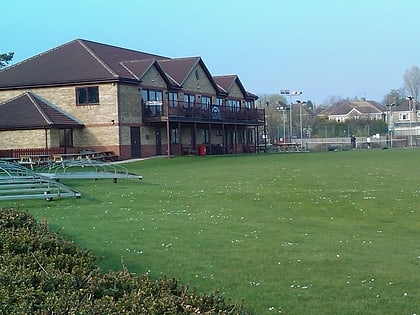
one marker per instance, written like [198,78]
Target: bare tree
[412,81]
[395,96]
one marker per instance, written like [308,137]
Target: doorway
[158,138]
[135,142]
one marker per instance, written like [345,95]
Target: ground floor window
[66,137]
[250,136]
[175,136]
[241,134]
[205,136]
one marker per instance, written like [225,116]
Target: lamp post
[290,94]
[410,109]
[390,127]
[300,120]
[282,107]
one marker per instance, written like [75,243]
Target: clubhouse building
[85,95]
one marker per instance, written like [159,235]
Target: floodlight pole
[390,128]
[300,119]
[283,109]
[410,108]
[294,93]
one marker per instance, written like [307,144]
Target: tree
[5,59]
[395,96]
[412,81]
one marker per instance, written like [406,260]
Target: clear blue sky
[337,48]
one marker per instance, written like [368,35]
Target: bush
[43,273]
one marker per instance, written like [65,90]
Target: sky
[323,48]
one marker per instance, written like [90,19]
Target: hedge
[43,273]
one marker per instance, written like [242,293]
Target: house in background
[85,95]
[403,120]
[346,110]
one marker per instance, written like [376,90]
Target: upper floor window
[219,101]
[152,102]
[205,102]
[248,104]
[234,105]
[189,100]
[404,116]
[153,97]
[173,99]
[87,95]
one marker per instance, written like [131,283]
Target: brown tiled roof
[29,111]
[138,69]
[82,61]
[405,106]
[226,82]
[363,107]
[179,68]
[75,62]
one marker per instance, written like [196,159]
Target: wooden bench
[187,150]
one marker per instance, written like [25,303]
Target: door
[158,141]
[135,142]
[230,141]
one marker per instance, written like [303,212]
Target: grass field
[297,233]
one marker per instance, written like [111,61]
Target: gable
[179,69]
[198,81]
[236,91]
[233,86]
[152,77]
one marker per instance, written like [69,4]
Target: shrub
[43,273]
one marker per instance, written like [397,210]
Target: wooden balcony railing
[201,112]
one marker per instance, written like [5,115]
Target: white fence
[332,144]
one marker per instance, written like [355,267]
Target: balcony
[158,111]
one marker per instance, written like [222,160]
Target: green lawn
[297,233]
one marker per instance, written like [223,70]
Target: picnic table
[34,159]
[286,147]
[85,155]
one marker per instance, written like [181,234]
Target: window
[66,138]
[205,102]
[152,102]
[189,100]
[87,95]
[234,105]
[154,96]
[241,135]
[250,136]
[173,99]
[404,116]
[219,101]
[205,136]
[248,104]
[175,136]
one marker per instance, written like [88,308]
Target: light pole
[294,93]
[410,109]
[282,107]
[300,120]
[390,127]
